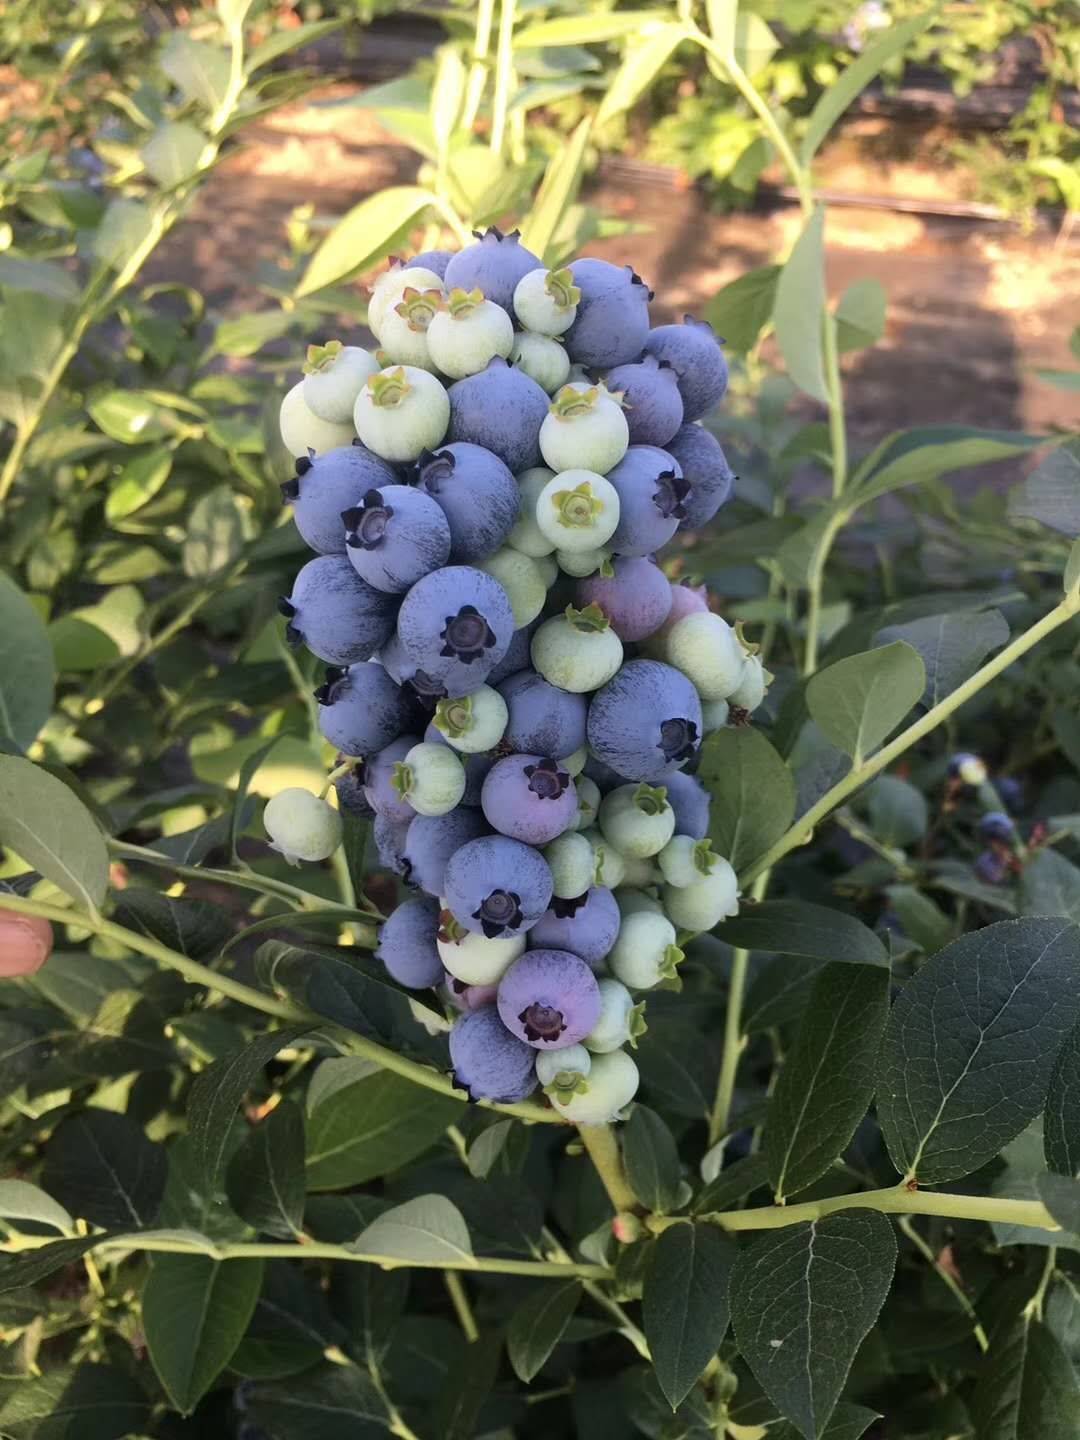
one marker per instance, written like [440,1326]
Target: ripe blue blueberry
[389,837]
[501,409]
[361,709]
[549,999]
[478,495]
[612,321]
[542,719]
[693,352]
[516,657]
[407,944]
[495,263]
[651,492]
[351,799]
[651,399]
[646,721]
[529,797]
[707,472]
[379,788]
[489,1062]
[497,887]
[636,597]
[996,825]
[328,484]
[456,624]
[432,839]
[395,536]
[586,925]
[434,260]
[690,801]
[337,615]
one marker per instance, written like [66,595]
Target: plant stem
[602,1146]
[474,91]
[803,828]
[835,391]
[734,1040]
[1034,1307]
[242,879]
[627,1328]
[907,1225]
[504,75]
[462,1309]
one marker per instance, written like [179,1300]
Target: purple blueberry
[651,399]
[646,721]
[404,670]
[612,321]
[407,944]
[991,867]
[396,536]
[350,795]
[693,352]
[497,887]
[455,625]
[337,615]
[636,599]
[327,484]
[434,260]
[494,264]
[587,925]
[478,495]
[651,493]
[549,999]
[432,839]
[361,709]
[389,837]
[706,470]
[379,781]
[529,798]
[489,1062]
[602,775]
[690,801]
[517,657]
[501,409]
[543,719]
[996,825]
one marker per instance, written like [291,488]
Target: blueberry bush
[604,958]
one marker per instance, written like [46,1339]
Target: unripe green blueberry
[474,722]
[301,825]
[405,326]
[637,820]
[632,901]
[541,358]
[520,577]
[391,286]
[645,952]
[707,650]
[546,301]
[548,567]
[334,374]
[564,1073]
[467,333]
[640,872]
[578,650]
[575,763]
[621,1021]
[613,1082]
[704,904]
[571,861]
[402,412]
[302,430]
[578,510]
[581,563]
[585,427]
[526,535]
[609,867]
[753,682]
[431,778]
[685,861]
[714,715]
[471,957]
[588,802]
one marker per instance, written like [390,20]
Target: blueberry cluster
[519,681]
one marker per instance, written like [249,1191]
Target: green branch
[734,1040]
[602,1147]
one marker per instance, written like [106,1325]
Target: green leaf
[742,309]
[643,60]
[799,312]
[102,1168]
[93,1402]
[755,44]
[859,701]
[173,152]
[27,673]
[20,1200]
[367,233]
[721,17]
[1028,1390]
[192,927]
[922,920]
[837,96]
[827,1080]
[802,1300]
[897,811]
[37,276]
[971,1043]
[129,417]
[140,480]
[194,1313]
[1051,493]
[952,646]
[1071,576]
[847,1422]
[752,793]
[1061,1196]
[124,228]
[685,1303]
[795,927]
[1061,1118]
[737,1180]
[283,42]
[375,1124]
[48,827]
[428,1230]
[1050,885]
[586,29]
[27,1268]
[96,635]
[215,533]
[247,334]
[216,1095]
[333,1403]
[651,1158]
[558,190]
[199,69]
[537,1326]
[909,457]
[860,316]
[265,1180]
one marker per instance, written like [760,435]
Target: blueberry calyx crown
[290,489]
[560,286]
[453,717]
[327,692]
[425,686]
[542,1022]
[546,779]
[403,779]
[499,912]
[650,799]
[635,279]
[588,620]
[433,469]
[567,909]
[365,524]
[467,635]
[286,607]
[578,508]
[494,233]
[461,303]
[419,307]
[389,387]
[637,1024]
[322,357]
[571,402]
[704,859]
[567,1084]
[678,738]
[672,959]
[671,491]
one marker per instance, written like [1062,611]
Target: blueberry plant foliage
[718,1070]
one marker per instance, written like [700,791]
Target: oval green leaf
[48,827]
[27,674]
[859,701]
